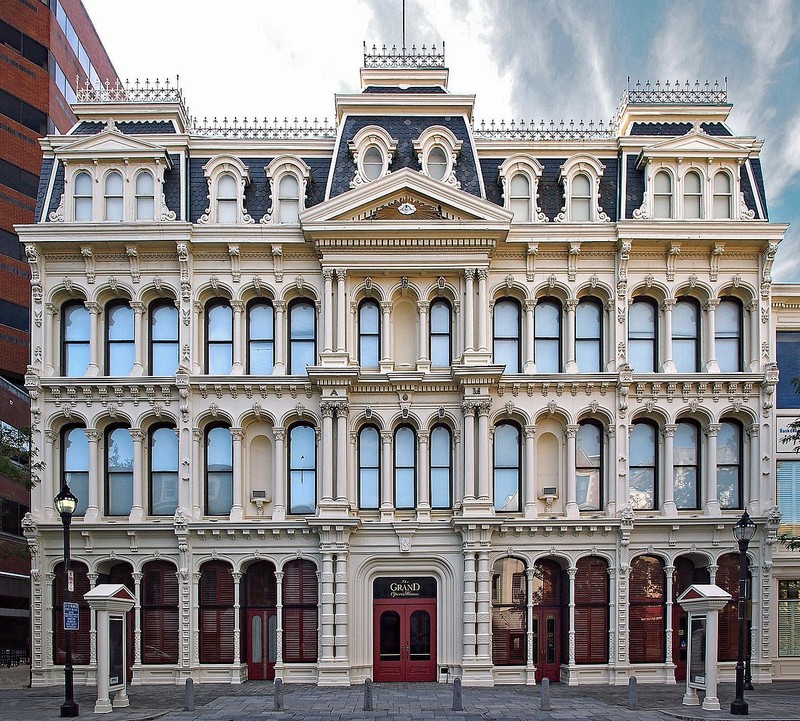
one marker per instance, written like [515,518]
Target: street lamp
[66,503]
[743,532]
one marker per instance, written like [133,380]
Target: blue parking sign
[71,617]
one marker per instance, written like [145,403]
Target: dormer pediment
[696,144]
[111,144]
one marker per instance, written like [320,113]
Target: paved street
[254,701]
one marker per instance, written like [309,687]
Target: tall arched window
[120,348]
[686,335]
[260,337]
[302,469]
[216,613]
[227,199]
[507,334]
[723,195]
[589,335]
[728,335]
[302,337]
[219,337]
[119,471]
[647,625]
[441,470]
[300,612]
[643,474]
[369,468]
[82,195]
[289,199]
[145,196]
[520,190]
[591,610]
[405,467]
[692,196]
[160,621]
[164,355]
[729,465]
[507,467]
[369,334]
[163,471]
[75,334]
[113,196]
[441,334]
[509,612]
[547,335]
[580,208]
[662,195]
[686,465]
[589,466]
[642,335]
[75,465]
[219,471]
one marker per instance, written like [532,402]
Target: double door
[262,635]
[405,640]
[547,642]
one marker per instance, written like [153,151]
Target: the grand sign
[405,587]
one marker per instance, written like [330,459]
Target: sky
[524,59]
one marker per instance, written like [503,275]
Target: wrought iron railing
[421,58]
[135,92]
[544,131]
[263,129]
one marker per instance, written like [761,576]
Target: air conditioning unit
[258,496]
[548,492]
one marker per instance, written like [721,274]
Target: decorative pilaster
[280,337]
[424,362]
[341,314]
[669,508]
[571,364]
[423,477]
[139,336]
[669,574]
[137,508]
[668,365]
[572,571]
[327,311]
[483,308]
[711,505]
[93,509]
[327,409]
[572,478]
[529,364]
[237,368]
[484,494]
[386,363]
[387,492]
[469,310]
[529,471]
[712,365]
[237,508]
[237,616]
[94,348]
[279,625]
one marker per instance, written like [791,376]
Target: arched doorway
[687,573]
[546,619]
[260,620]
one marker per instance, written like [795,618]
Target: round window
[373,163]
[437,163]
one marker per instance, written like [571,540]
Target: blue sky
[542,59]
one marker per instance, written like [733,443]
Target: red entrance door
[405,640]
[547,643]
[261,644]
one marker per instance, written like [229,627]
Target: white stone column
[137,619]
[669,574]
[93,509]
[483,309]
[386,335]
[711,505]
[530,668]
[572,476]
[669,507]
[279,307]
[529,472]
[469,635]
[422,352]
[458,469]
[279,474]
[341,315]
[352,462]
[139,338]
[468,408]
[484,493]
[327,311]
[753,325]
[237,368]
[327,609]
[572,571]
[712,365]
[326,409]
[94,335]
[52,330]
[610,471]
[484,607]
[195,487]
[92,632]
[342,638]
[752,488]
[279,625]
[423,476]
[340,486]
[529,364]
[469,310]
[571,364]
[139,491]
[387,491]
[237,618]
[237,507]
[668,366]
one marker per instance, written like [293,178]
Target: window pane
[373,163]
[547,319]
[589,467]
[728,444]
[547,342]
[302,350]
[302,469]
[76,323]
[691,206]
[580,186]
[114,196]
[440,450]
[506,335]
[76,467]
[76,359]
[114,184]
[521,208]
[662,206]
[662,183]
[220,323]
[219,471]
[506,468]
[164,472]
[520,186]
[580,210]
[261,327]
[83,184]
[685,336]
[226,211]
[164,339]
[368,459]
[641,336]
[691,183]
[546,353]
[437,163]
[113,208]
[440,333]
[405,454]
[722,183]
[119,464]
[227,187]
[643,466]
[165,359]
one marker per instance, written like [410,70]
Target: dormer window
[83,196]
[437,148]
[373,163]
[437,163]
[662,195]
[521,198]
[580,176]
[581,199]
[227,200]
[723,195]
[520,175]
[692,195]
[373,150]
[113,196]
[288,178]
[227,177]
[145,196]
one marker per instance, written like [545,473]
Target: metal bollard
[368,705]
[458,702]
[632,700]
[278,700]
[188,695]
[545,702]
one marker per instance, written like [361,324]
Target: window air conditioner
[548,492]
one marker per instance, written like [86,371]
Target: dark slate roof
[58,189]
[144,127]
[491,179]
[320,167]
[676,129]
[748,191]
[422,89]
[405,130]
[44,180]
[172,185]
[634,185]
[755,163]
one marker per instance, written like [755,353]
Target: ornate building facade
[404,397]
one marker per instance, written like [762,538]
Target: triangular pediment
[110,144]
[696,143]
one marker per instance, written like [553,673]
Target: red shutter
[300,612]
[647,625]
[160,623]
[216,613]
[591,611]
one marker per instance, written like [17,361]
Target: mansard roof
[110,143]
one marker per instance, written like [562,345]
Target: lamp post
[66,503]
[743,532]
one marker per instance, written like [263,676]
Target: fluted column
[326,408]
[279,625]
[94,343]
[483,450]
[468,408]
[326,608]
[423,477]
[423,306]
[386,332]
[341,319]
[711,496]
[469,309]
[572,364]
[327,311]
[237,368]
[139,336]
[572,571]
[237,617]
[529,472]
[529,364]
[93,509]
[387,494]
[483,309]
[279,474]
[484,606]
[280,337]
[237,508]
[137,507]
[669,574]
[668,366]
[572,476]
[753,493]
[469,613]
[137,617]
[712,365]
[340,489]
[668,432]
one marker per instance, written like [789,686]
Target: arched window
[373,163]
[644,466]
[369,334]
[119,471]
[216,613]
[145,196]
[507,334]
[289,199]
[723,195]
[437,163]
[686,465]
[260,337]
[219,337]
[120,348]
[728,335]
[300,612]
[163,471]
[729,465]
[81,639]
[692,196]
[75,334]
[83,196]
[509,612]
[369,468]
[405,467]
[589,466]
[302,337]
[589,335]
[647,625]
[591,610]
[547,335]
[302,469]
[219,471]
[507,467]
[686,335]
[163,346]
[441,470]
[662,195]
[520,199]
[580,207]
[227,199]
[441,334]
[160,621]
[113,196]
[75,465]
[642,335]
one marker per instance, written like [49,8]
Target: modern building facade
[46,50]
[404,398]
